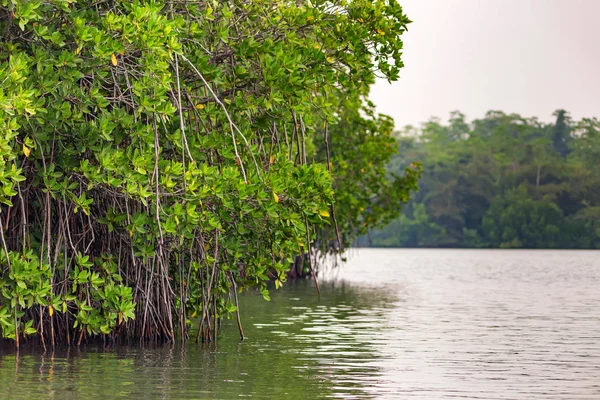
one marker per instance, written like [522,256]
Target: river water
[390,324]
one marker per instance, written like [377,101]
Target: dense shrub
[158,157]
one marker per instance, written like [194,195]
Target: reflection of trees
[332,334]
[298,346]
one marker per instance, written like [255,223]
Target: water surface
[415,324]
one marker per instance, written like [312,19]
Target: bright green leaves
[265,293]
[101,299]
[82,203]
[26,11]
[28,329]
[131,122]
[26,284]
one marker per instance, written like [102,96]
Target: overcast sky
[525,56]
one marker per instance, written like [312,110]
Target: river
[390,324]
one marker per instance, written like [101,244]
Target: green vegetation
[158,157]
[501,181]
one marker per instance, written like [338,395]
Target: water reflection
[401,324]
[298,346]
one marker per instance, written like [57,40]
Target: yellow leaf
[324,214]
[78,50]
[26,151]
[275,197]
[120,318]
[194,314]
[131,233]
[200,106]
[380,32]
[271,160]
[360,20]
[113,59]
[51,310]
[309,19]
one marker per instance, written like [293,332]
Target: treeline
[503,181]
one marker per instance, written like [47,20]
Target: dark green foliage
[561,133]
[501,181]
[158,157]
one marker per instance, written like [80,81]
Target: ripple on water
[414,324]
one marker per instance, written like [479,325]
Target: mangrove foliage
[159,157]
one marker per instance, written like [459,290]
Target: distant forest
[503,181]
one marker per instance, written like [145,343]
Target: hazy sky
[525,56]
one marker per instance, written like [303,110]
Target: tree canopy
[158,157]
[500,181]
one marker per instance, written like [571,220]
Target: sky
[525,56]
